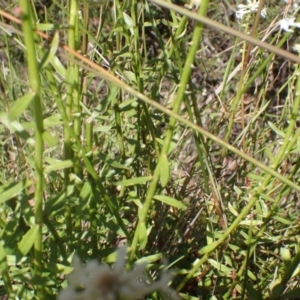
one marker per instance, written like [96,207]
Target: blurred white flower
[286,23]
[295,4]
[5,71]
[296,47]
[194,4]
[250,7]
[95,281]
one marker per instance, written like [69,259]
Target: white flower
[96,281]
[297,48]
[288,22]
[251,7]
[194,4]
[5,71]
[295,4]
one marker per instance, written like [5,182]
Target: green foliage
[169,139]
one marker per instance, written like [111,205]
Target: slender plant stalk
[74,43]
[68,152]
[245,65]
[84,48]
[72,104]
[119,98]
[145,122]
[175,49]
[34,80]
[228,69]
[238,100]
[89,132]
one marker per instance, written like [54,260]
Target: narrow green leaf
[11,234]
[251,222]
[86,190]
[52,51]
[134,181]
[210,236]
[28,240]
[50,140]
[131,103]
[282,220]
[3,260]
[56,267]
[277,130]
[53,120]
[51,26]
[20,105]
[116,164]
[11,190]
[143,238]
[286,256]
[234,247]
[172,146]
[45,26]
[261,110]
[43,280]
[17,128]
[150,259]
[59,165]
[188,297]
[3,222]
[232,210]
[102,128]
[57,203]
[220,267]
[130,76]
[129,22]
[270,154]
[170,201]
[238,190]
[58,66]
[28,125]
[251,275]
[164,170]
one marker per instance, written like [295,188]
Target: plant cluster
[162,138]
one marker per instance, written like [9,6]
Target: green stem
[119,98]
[34,80]
[74,43]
